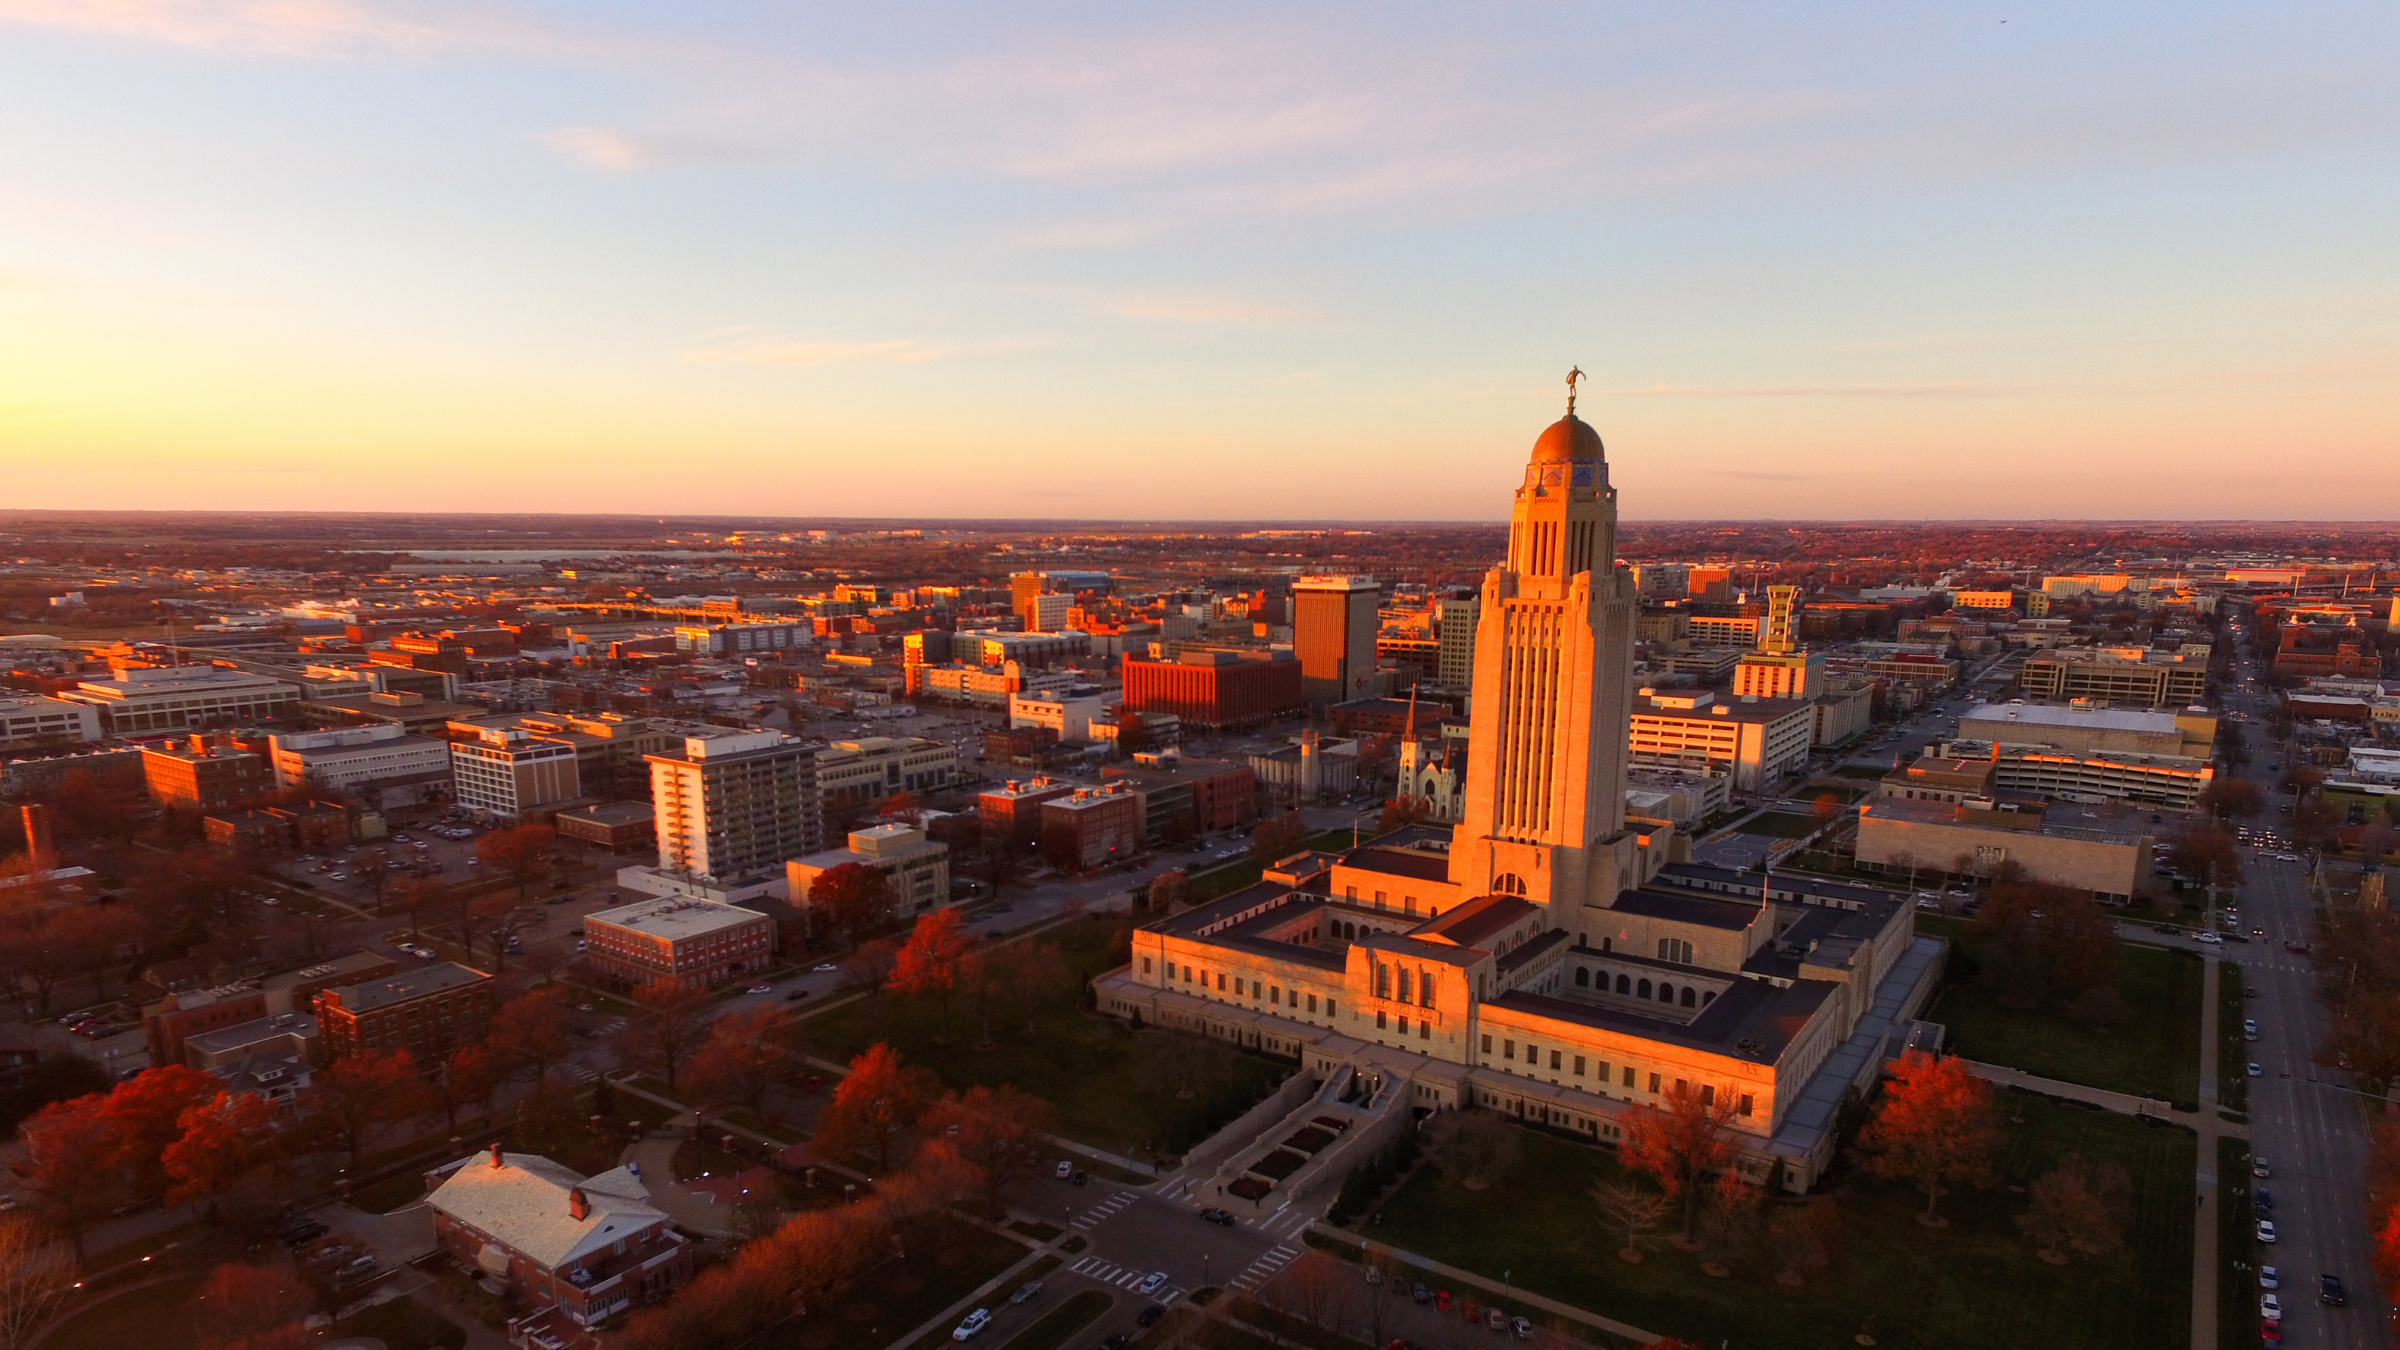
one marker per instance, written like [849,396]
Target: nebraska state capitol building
[1546,956]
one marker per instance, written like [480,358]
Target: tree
[531,1034]
[1729,1217]
[498,920]
[466,1079]
[2208,852]
[1807,1238]
[1401,812]
[1027,972]
[869,965]
[1682,1145]
[2074,1208]
[36,1271]
[72,1147]
[1474,1148]
[743,1062]
[853,899]
[1313,1288]
[223,1142]
[415,896]
[2228,797]
[1936,1128]
[2045,944]
[997,1130]
[902,806]
[361,1096]
[1170,890]
[1635,1211]
[520,853]
[1001,865]
[877,1099]
[671,1026]
[374,871]
[241,1305]
[928,965]
[1274,839]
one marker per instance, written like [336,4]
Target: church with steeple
[1545,955]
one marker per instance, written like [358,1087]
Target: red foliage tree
[251,1307]
[71,1148]
[531,1034]
[466,1079]
[998,1131]
[743,1062]
[361,1096]
[223,1141]
[1681,1146]
[928,964]
[1937,1127]
[878,1099]
[520,853]
[850,900]
[672,1025]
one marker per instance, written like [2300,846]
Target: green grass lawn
[2154,1052]
[1974,1284]
[153,1317]
[404,1324]
[2237,1242]
[2233,1048]
[947,1261]
[1094,1070]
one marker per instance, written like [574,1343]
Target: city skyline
[1822,265]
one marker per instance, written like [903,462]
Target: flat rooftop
[408,985]
[2055,715]
[677,919]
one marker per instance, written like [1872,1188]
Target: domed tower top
[1565,520]
[1568,438]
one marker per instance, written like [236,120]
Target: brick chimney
[496,1156]
[578,1208]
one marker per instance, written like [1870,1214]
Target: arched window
[1708,998]
[1643,989]
[1666,993]
[1687,996]
[1583,978]
[1624,986]
[1508,883]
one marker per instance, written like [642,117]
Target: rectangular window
[1487,1045]
[1533,1053]
[1380,1023]
[1145,965]
[1425,988]
[1275,994]
[1653,1079]
[1424,1030]
[1404,983]
[1404,1024]
[1579,1068]
[1708,1094]
[1554,1059]
[1508,1049]
[1742,1107]
[1220,982]
[1329,1007]
[1312,1003]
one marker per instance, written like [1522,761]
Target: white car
[760,989]
[973,1326]
[2259,1169]
[2256,1071]
[2267,1279]
[2212,939]
[2270,1307]
[1064,1170]
[2266,1230]
[1152,1282]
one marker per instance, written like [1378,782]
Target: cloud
[293,28]
[893,352]
[1868,391]
[599,147]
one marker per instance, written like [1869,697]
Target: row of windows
[1600,1071]
[1420,977]
[1245,988]
[1688,996]
[1424,1025]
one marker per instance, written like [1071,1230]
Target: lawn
[2153,1052]
[2237,1241]
[946,1261]
[1974,1284]
[152,1317]
[2233,1048]
[1101,1074]
[404,1324]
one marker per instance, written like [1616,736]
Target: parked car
[973,1326]
[1064,1169]
[2259,1168]
[1149,1316]
[1421,1294]
[2267,1278]
[1152,1283]
[760,989]
[2270,1307]
[1026,1291]
[2266,1230]
[2255,1071]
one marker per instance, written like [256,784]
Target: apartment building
[699,943]
[735,805]
[1092,826]
[428,1012]
[204,776]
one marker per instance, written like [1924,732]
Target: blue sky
[1225,261]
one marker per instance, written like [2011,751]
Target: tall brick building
[1216,688]
[428,1012]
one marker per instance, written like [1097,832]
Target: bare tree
[36,1271]
[1473,1147]
[1635,1211]
[1313,1288]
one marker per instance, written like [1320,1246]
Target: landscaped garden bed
[1279,1164]
[1308,1140]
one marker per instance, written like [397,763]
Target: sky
[1226,261]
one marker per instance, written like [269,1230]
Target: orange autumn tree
[874,1102]
[1937,1128]
[1681,1146]
[929,964]
[223,1141]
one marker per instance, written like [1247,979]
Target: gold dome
[1570,437]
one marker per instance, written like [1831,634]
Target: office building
[691,942]
[619,827]
[735,805]
[1333,634]
[1065,713]
[1454,629]
[1755,740]
[743,639]
[1217,688]
[1779,635]
[1997,600]
[1184,798]
[2189,732]
[428,1012]
[2035,771]
[510,774]
[1012,812]
[1662,581]
[2139,680]
[1795,674]
[1090,827]
[145,700]
[204,775]
[856,774]
[30,722]
[383,756]
[1724,630]
[1541,958]
[917,868]
[2100,849]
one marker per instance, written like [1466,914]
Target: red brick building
[1013,811]
[1092,827]
[428,1012]
[693,942]
[1215,688]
